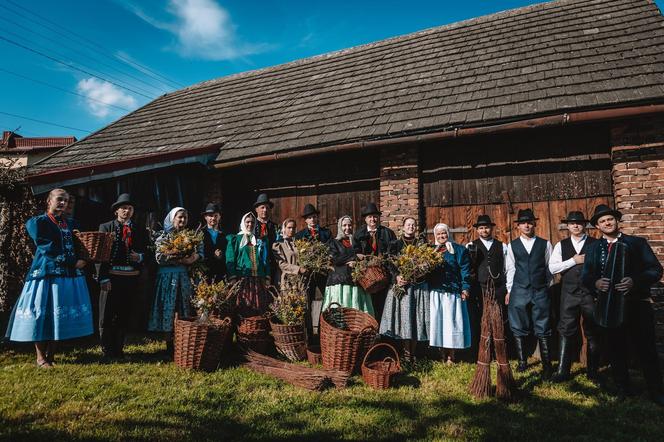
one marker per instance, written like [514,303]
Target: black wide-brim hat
[211,208]
[484,220]
[525,215]
[575,217]
[263,199]
[370,209]
[309,210]
[123,200]
[603,210]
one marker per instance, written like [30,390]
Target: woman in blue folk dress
[173,291]
[450,287]
[54,304]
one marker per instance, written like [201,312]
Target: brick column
[399,185]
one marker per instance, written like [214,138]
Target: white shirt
[489,243]
[510,266]
[556,263]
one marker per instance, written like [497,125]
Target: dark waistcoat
[530,268]
[571,278]
[491,260]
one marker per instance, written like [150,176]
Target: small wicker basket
[93,246]
[374,280]
[378,374]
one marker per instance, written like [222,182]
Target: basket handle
[333,303]
[382,344]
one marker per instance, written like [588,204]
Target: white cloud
[101,94]
[203,29]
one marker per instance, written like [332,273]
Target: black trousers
[572,307]
[114,312]
[637,332]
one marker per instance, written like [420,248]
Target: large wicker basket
[374,279]
[342,349]
[199,345]
[290,340]
[379,373]
[253,332]
[93,246]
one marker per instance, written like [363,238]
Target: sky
[71,67]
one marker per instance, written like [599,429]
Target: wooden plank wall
[548,226]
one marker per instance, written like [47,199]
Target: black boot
[519,344]
[106,338]
[564,361]
[592,360]
[547,369]
[118,343]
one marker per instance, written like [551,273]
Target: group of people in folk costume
[54,304]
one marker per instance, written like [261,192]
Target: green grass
[146,398]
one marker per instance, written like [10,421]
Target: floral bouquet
[290,307]
[313,256]
[414,263]
[181,244]
[212,297]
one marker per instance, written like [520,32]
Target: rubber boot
[592,360]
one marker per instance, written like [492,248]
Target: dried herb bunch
[290,307]
[313,256]
[211,297]
[414,263]
[181,243]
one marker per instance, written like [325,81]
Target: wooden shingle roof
[544,59]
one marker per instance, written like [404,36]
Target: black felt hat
[263,199]
[484,220]
[309,210]
[603,210]
[211,208]
[525,215]
[575,217]
[370,209]
[123,200]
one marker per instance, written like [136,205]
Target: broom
[480,386]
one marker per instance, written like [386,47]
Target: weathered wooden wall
[337,185]
[551,171]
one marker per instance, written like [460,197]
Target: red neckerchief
[374,243]
[263,229]
[346,243]
[126,235]
[61,224]
[312,231]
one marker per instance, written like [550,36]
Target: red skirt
[253,297]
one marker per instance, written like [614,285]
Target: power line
[69,65]
[36,46]
[45,122]
[132,63]
[83,54]
[62,89]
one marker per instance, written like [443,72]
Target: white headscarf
[247,236]
[340,230]
[168,221]
[448,244]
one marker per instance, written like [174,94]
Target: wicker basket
[343,349]
[379,374]
[290,340]
[254,332]
[374,279]
[94,246]
[313,355]
[199,345]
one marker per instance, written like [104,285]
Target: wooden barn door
[461,218]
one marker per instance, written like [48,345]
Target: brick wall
[637,154]
[399,185]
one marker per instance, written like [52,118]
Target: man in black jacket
[637,328]
[119,278]
[214,244]
[266,230]
[374,239]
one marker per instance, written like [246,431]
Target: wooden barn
[557,106]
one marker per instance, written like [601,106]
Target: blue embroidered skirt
[51,309]
[173,292]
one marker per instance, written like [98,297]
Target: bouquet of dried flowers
[290,307]
[212,297]
[361,266]
[181,243]
[313,256]
[414,263]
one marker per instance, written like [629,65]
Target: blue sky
[123,53]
